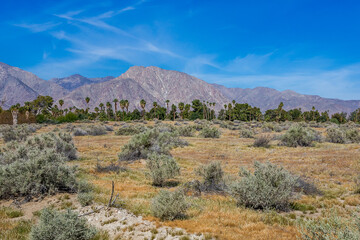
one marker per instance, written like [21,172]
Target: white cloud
[40,27]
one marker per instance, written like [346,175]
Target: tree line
[45,109]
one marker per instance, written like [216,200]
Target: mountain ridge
[154,85]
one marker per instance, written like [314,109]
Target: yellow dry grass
[332,167]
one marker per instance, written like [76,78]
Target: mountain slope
[19,86]
[74,81]
[268,98]
[107,92]
[174,86]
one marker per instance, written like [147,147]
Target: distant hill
[154,85]
[74,81]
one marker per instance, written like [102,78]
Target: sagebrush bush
[61,143]
[212,175]
[128,130]
[169,205]
[186,131]
[268,187]
[43,172]
[85,198]
[16,133]
[54,225]
[210,132]
[162,167]
[93,130]
[298,135]
[112,167]
[246,133]
[352,135]
[331,228]
[80,132]
[152,141]
[262,141]
[336,135]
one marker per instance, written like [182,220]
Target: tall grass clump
[298,135]
[331,228]
[210,132]
[268,187]
[152,141]
[262,141]
[162,167]
[54,225]
[169,205]
[213,177]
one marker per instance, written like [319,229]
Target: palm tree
[115,101]
[127,105]
[279,110]
[229,108]
[96,110]
[61,102]
[122,106]
[173,109]
[167,106]
[101,105]
[87,100]
[181,108]
[143,104]
[155,107]
[108,107]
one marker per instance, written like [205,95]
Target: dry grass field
[332,168]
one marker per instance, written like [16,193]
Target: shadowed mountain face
[74,81]
[19,86]
[154,85]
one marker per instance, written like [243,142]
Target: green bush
[336,135]
[43,172]
[152,141]
[54,225]
[186,131]
[169,205]
[85,198]
[128,130]
[210,132]
[61,143]
[352,135]
[246,133]
[18,133]
[162,167]
[212,175]
[298,135]
[269,187]
[331,228]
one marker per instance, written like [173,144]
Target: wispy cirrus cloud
[39,27]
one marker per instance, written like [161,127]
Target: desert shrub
[112,167]
[152,141]
[162,167]
[42,172]
[108,128]
[298,135]
[62,143]
[306,187]
[163,127]
[54,225]
[269,187]
[18,133]
[246,133]
[85,198]
[267,127]
[212,175]
[210,132]
[331,228]
[186,131]
[80,132]
[262,141]
[336,135]
[96,130]
[352,135]
[128,130]
[169,205]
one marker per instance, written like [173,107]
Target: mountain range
[154,85]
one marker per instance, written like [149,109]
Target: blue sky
[308,46]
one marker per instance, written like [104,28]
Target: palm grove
[44,109]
